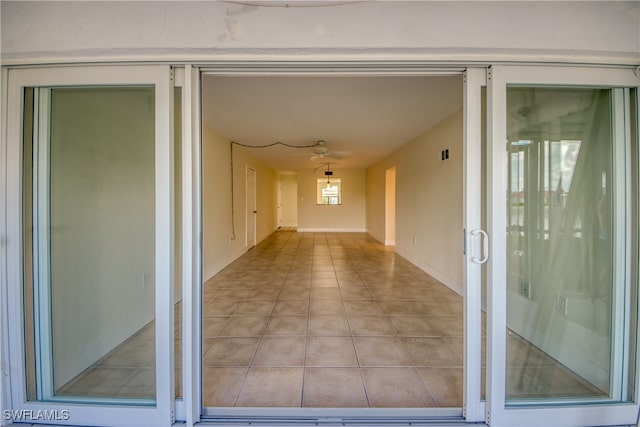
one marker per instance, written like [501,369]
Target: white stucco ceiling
[368,116]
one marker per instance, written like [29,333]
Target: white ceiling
[368,116]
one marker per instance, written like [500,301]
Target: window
[329,191]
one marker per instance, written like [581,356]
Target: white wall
[219,247]
[103,228]
[428,201]
[349,216]
[462,30]
[288,200]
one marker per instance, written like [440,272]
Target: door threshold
[334,422]
[378,417]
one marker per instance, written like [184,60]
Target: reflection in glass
[93,206]
[563,287]
[27,245]
[177,152]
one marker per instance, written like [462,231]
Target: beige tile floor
[329,320]
[326,320]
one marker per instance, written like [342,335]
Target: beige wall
[219,247]
[349,216]
[288,200]
[428,201]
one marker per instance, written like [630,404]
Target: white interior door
[562,188]
[90,172]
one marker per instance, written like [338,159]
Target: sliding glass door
[90,279]
[95,162]
[564,215]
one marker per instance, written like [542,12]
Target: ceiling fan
[321,151]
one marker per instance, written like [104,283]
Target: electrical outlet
[562,304]
[525,289]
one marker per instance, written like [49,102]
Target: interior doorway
[343,304]
[390,208]
[287,200]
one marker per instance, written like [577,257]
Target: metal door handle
[485,246]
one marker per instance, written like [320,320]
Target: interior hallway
[330,320]
[325,320]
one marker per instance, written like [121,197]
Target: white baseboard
[231,257]
[222,263]
[375,236]
[580,360]
[289,225]
[451,283]
[265,235]
[333,230]
[100,346]
[389,242]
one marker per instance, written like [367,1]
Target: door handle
[485,246]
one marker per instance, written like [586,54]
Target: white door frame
[189,407]
[474,243]
[473,406]
[497,414]
[92,412]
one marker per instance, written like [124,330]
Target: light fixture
[328,173]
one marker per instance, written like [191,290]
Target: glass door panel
[561,285]
[567,344]
[93,242]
